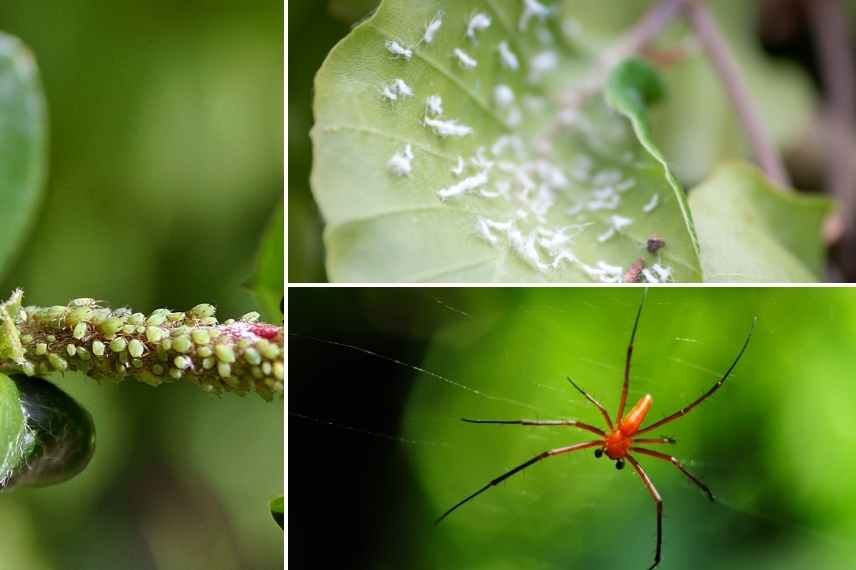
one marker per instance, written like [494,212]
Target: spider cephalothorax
[621,437]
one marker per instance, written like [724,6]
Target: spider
[621,436]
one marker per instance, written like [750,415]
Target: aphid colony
[234,356]
[539,229]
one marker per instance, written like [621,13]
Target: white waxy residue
[542,63]
[470,183]
[398,50]
[398,88]
[466,61]
[447,127]
[434,105]
[400,163]
[503,95]
[651,204]
[508,57]
[477,23]
[532,8]
[432,27]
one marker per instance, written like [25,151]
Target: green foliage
[23,144]
[277,511]
[267,284]
[752,232]
[11,427]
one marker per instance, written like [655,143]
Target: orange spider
[618,441]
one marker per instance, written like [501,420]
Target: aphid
[400,163]
[477,23]
[447,128]
[508,57]
[621,436]
[655,244]
[465,59]
[634,272]
[398,50]
[432,27]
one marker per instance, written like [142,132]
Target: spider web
[509,360]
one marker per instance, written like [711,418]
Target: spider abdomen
[633,420]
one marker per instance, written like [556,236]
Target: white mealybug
[503,95]
[432,27]
[434,105]
[477,23]
[398,50]
[466,61]
[400,163]
[541,63]
[465,185]
[532,8]
[403,88]
[651,204]
[459,167]
[448,128]
[508,58]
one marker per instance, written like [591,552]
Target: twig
[711,39]
[832,42]
[632,42]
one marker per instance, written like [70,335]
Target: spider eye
[619,464]
[598,452]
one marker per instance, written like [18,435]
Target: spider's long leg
[521,467]
[686,409]
[653,440]
[623,401]
[674,461]
[572,423]
[658,500]
[597,404]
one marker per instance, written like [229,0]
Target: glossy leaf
[23,144]
[48,437]
[752,232]
[529,192]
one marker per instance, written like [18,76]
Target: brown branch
[714,45]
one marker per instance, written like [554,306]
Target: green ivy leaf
[751,232]
[23,144]
[277,510]
[540,196]
[267,284]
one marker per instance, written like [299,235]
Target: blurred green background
[166,164]
[383,451]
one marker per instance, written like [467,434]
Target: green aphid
[118,344]
[50,338]
[175,373]
[224,353]
[97,348]
[129,329]
[79,331]
[267,368]
[99,316]
[26,338]
[166,344]
[243,343]
[224,370]
[200,336]
[41,349]
[78,315]
[136,348]
[182,344]
[175,317]
[213,333]
[268,349]
[122,313]
[257,372]
[55,313]
[71,349]
[82,353]
[228,322]
[156,319]
[251,317]
[208,322]
[252,356]
[204,351]
[181,362]
[208,363]
[278,370]
[154,333]
[137,363]
[57,361]
[203,310]
[137,319]
[157,369]
[111,326]
[82,302]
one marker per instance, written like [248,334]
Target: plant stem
[714,45]
[233,356]
[832,42]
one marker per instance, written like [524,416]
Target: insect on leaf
[451,143]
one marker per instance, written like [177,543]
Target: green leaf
[267,283]
[564,196]
[277,510]
[23,144]
[45,436]
[752,232]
